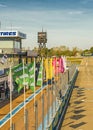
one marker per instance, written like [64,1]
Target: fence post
[36,115]
[47,105]
[68,76]
[42,111]
[52,99]
[55,94]
[13,126]
[26,124]
[61,81]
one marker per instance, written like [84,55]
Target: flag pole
[24,93]
[52,84]
[42,77]
[42,96]
[54,73]
[48,98]
[55,82]
[34,85]
[10,79]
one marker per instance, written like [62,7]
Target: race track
[79,115]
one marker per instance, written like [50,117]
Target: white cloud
[75,12]
[13,27]
[2,5]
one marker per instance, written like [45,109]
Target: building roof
[12,34]
[32,53]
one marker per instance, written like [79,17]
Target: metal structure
[42,39]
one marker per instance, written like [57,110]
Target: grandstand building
[11,45]
[11,41]
[11,54]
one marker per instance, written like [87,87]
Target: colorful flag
[64,63]
[20,78]
[39,79]
[50,68]
[10,80]
[58,65]
[46,68]
[54,65]
[61,66]
[31,68]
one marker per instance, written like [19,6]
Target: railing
[59,116]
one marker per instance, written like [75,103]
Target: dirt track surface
[79,115]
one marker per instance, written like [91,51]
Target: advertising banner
[19,77]
[31,69]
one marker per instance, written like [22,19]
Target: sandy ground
[18,119]
[79,115]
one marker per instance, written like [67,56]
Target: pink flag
[61,66]
[64,63]
[54,65]
[58,65]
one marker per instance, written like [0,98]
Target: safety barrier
[59,116]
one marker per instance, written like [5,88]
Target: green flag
[31,68]
[20,78]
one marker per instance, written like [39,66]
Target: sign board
[42,37]
[12,34]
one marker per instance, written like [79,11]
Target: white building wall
[6,44]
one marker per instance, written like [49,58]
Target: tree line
[59,51]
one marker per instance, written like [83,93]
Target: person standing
[7,92]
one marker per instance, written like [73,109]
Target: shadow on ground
[78,125]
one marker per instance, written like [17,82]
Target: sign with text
[12,34]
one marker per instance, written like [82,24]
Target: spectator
[4,59]
[6,92]
[60,93]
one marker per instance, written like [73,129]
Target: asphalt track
[79,115]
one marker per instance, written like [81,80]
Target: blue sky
[67,22]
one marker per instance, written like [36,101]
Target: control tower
[42,39]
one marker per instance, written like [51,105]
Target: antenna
[42,29]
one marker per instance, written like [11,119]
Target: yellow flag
[50,75]
[46,67]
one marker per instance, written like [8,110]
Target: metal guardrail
[68,95]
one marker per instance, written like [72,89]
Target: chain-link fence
[37,114]
[71,70]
